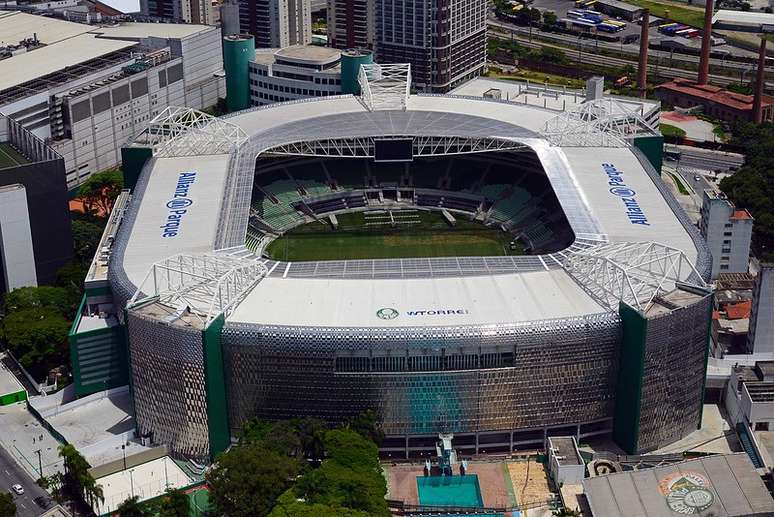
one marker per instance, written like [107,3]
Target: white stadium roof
[580,176]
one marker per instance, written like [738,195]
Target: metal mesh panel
[673,380]
[562,372]
[168,385]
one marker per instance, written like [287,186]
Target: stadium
[463,265]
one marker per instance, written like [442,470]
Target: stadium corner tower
[601,328]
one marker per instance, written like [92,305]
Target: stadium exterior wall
[426,380]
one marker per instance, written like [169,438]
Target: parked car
[18,489]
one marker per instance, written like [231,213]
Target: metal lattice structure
[188,132]
[422,146]
[598,123]
[206,284]
[385,87]
[633,272]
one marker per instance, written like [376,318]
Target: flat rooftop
[16,26]
[723,485]
[309,53]
[565,450]
[138,30]
[549,96]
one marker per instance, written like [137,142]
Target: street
[706,159]
[11,474]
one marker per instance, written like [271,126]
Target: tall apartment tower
[727,231]
[189,11]
[276,23]
[351,24]
[760,338]
[443,40]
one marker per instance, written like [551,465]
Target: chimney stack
[642,67]
[706,44]
[758,94]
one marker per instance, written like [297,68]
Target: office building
[760,338]
[35,239]
[293,73]
[188,11]
[445,42]
[728,232]
[86,90]
[351,23]
[276,23]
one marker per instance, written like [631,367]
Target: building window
[726,234]
[724,266]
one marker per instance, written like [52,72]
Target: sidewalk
[23,435]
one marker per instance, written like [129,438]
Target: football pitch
[414,234]
[10,156]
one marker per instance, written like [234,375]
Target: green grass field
[10,156]
[432,237]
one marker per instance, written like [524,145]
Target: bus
[606,27]
[579,23]
[616,23]
[585,14]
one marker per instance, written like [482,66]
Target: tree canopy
[100,191]
[752,186]
[36,335]
[7,504]
[248,479]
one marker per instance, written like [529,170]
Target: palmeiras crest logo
[687,493]
[387,313]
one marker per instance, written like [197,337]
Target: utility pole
[123,449]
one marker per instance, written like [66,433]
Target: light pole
[123,449]
[131,481]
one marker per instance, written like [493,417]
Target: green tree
[311,434]
[86,236]
[78,481]
[36,335]
[172,504]
[752,186]
[248,479]
[288,505]
[368,425]
[549,19]
[37,297]
[130,507]
[100,191]
[7,505]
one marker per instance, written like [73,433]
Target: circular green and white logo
[687,493]
[387,313]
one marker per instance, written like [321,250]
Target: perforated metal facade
[673,378]
[168,384]
[424,380]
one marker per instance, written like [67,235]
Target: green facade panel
[132,161]
[13,398]
[217,413]
[99,357]
[351,60]
[238,51]
[628,398]
[653,149]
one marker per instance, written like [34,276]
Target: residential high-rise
[276,23]
[189,11]
[443,40]
[351,23]
[760,338]
[727,231]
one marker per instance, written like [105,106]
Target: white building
[293,73]
[760,338]
[276,23]
[86,90]
[727,231]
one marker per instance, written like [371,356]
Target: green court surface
[456,491]
[10,156]
[198,503]
[371,236]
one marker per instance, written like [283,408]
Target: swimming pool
[457,491]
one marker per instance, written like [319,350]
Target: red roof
[715,94]
[739,311]
[741,214]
